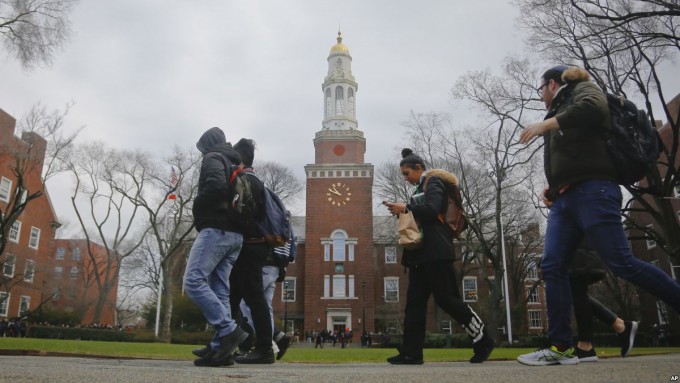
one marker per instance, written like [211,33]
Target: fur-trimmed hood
[443,175]
[575,74]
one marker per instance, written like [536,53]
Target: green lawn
[296,354]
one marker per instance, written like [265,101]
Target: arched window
[329,103]
[350,102]
[339,101]
[339,238]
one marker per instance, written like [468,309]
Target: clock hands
[334,191]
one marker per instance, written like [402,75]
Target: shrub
[53,332]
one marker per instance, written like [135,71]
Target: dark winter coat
[577,151]
[437,244]
[211,202]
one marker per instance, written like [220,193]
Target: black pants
[437,279]
[585,307]
[246,283]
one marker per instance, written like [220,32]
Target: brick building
[30,238]
[73,280]
[348,272]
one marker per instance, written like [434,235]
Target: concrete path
[16,369]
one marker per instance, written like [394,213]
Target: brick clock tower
[339,270]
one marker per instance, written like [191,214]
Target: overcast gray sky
[153,74]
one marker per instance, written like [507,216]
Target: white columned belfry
[339,90]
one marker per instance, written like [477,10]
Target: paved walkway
[16,369]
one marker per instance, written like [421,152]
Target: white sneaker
[548,357]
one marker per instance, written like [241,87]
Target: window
[24,305]
[8,266]
[470,289]
[326,252]
[35,238]
[5,189]
[350,286]
[468,256]
[74,272]
[58,271]
[651,243]
[391,289]
[60,253]
[29,271]
[390,254]
[339,101]
[15,231]
[339,246]
[339,286]
[328,102]
[75,254]
[350,101]
[350,255]
[446,327]
[535,319]
[4,303]
[326,286]
[288,290]
[532,270]
[532,295]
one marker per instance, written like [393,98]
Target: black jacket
[210,204]
[437,242]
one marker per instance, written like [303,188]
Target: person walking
[430,267]
[215,249]
[586,201]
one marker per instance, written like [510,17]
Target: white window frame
[650,242]
[34,240]
[29,271]
[533,297]
[350,286]
[15,232]
[5,189]
[390,255]
[58,272]
[532,269]
[447,327]
[391,295]
[24,305]
[76,254]
[73,274]
[7,263]
[533,317]
[4,303]
[326,286]
[466,290]
[327,252]
[60,254]
[286,287]
[339,286]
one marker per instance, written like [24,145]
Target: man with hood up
[215,250]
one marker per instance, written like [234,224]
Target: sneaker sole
[564,361]
[631,338]
[588,359]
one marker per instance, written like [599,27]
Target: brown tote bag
[409,232]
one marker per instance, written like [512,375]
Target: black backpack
[633,142]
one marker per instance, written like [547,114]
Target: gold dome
[339,47]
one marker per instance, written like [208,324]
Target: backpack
[632,142]
[275,225]
[242,209]
[286,254]
[455,218]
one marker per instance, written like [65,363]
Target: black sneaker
[283,345]
[229,343]
[201,352]
[627,337]
[209,360]
[585,356]
[256,357]
[482,349]
[403,359]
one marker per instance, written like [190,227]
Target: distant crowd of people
[15,328]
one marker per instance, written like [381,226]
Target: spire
[339,47]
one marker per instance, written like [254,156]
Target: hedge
[53,332]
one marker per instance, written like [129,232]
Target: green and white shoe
[548,357]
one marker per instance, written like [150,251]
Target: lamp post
[505,283]
[285,307]
[363,307]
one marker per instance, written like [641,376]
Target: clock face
[338,194]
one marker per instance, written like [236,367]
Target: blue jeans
[269,276]
[593,209]
[206,278]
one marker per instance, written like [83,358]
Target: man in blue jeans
[215,250]
[586,200]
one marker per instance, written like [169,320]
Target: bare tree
[280,179]
[34,30]
[103,213]
[622,44]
